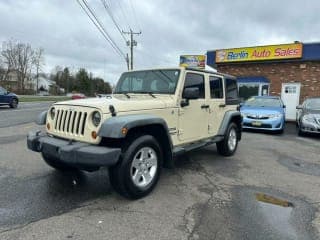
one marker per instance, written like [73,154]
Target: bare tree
[38,62]
[18,57]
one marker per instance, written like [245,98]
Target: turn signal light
[48,126]
[94,134]
[124,131]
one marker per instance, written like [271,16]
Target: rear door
[216,102]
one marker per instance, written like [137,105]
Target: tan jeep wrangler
[152,116]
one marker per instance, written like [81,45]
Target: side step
[196,145]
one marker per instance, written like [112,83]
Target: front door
[290,95]
[193,117]
[217,103]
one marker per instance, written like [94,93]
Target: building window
[216,87]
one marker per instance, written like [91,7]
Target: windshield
[313,103]
[150,81]
[262,102]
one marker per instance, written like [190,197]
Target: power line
[101,29]
[104,2]
[135,15]
[124,15]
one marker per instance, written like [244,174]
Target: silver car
[308,116]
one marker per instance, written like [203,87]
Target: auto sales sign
[271,52]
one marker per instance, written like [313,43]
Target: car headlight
[52,113]
[96,118]
[308,118]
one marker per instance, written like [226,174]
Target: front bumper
[271,124]
[75,154]
[310,127]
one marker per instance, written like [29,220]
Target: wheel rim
[232,140]
[144,167]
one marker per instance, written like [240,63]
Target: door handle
[222,105]
[204,106]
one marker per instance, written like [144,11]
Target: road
[25,113]
[268,190]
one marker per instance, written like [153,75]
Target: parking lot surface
[268,190]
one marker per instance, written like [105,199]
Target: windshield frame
[159,71]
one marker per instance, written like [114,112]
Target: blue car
[8,98]
[263,112]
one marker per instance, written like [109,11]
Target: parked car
[263,112]
[140,128]
[308,116]
[8,98]
[78,96]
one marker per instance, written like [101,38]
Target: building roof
[310,52]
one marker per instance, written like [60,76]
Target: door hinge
[180,132]
[180,112]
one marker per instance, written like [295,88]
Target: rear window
[232,95]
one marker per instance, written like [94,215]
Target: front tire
[14,103]
[228,145]
[138,171]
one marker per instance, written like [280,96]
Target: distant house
[9,79]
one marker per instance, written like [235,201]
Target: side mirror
[284,106]
[299,107]
[191,93]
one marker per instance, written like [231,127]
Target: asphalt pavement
[268,190]
[25,113]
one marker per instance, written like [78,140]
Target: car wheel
[138,171]
[14,103]
[228,145]
[56,163]
[300,132]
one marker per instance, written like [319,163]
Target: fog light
[48,126]
[94,134]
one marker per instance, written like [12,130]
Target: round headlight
[52,113]
[96,118]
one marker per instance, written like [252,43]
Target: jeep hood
[121,104]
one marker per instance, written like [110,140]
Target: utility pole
[132,43]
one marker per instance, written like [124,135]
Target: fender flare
[112,127]
[228,116]
[42,118]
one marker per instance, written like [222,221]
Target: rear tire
[138,171]
[228,145]
[56,163]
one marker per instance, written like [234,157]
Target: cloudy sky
[169,29]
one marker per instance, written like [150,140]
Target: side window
[231,91]
[195,80]
[2,91]
[216,87]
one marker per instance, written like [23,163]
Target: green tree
[83,81]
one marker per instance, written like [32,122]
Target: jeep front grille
[71,122]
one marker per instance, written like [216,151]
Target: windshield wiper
[150,93]
[124,93]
